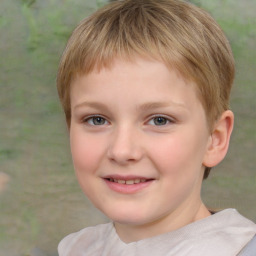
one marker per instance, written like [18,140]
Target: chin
[128,217]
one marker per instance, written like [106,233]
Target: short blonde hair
[183,36]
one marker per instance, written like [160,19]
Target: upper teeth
[128,182]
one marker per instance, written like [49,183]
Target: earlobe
[219,140]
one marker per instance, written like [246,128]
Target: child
[145,87]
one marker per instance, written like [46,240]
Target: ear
[219,139]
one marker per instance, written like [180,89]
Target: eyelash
[90,120]
[167,120]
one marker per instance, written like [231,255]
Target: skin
[140,120]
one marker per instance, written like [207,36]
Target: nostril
[124,156]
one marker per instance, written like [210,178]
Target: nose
[125,146]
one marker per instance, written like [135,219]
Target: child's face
[138,136]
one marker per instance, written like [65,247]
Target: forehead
[140,80]
[140,66]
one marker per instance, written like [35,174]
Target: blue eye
[96,120]
[159,121]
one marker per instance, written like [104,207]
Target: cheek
[178,155]
[86,152]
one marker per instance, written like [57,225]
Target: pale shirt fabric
[225,233]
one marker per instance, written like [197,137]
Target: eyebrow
[144,107]
[91,104]
[154,105]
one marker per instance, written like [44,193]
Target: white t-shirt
[225,233]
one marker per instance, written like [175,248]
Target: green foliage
[28,2]
[31,222]
[7,153]
[101,3]
[245,29]
[54,19]
[38,35]
[3,21]
[34,36]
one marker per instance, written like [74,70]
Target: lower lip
[128,189]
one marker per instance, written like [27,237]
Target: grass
[43,201]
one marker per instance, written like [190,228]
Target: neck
[177,219]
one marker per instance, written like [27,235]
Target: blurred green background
[41,201]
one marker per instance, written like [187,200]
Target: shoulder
[224,233]
[85,238]
[231,223]
[232,218]
[230,230]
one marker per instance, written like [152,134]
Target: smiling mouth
[128,182]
